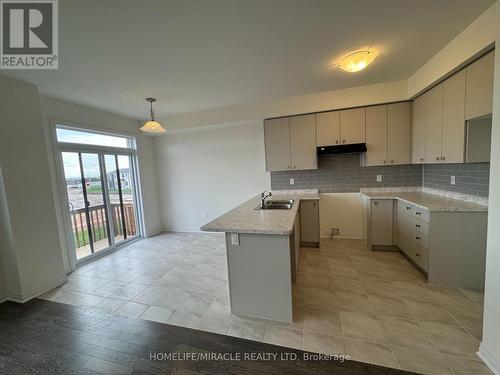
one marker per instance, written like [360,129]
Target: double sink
[276,205]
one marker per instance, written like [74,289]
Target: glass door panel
[128,195]
[87,203]
[120,181]
[76,200]
[95,201]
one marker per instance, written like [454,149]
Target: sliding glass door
[101,190]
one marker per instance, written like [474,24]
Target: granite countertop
[246,219]
[429,201]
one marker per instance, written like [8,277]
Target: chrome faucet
[263,197]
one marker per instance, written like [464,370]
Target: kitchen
[316,188]
[436,225]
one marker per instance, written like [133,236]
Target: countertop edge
[296,197]
[432,209]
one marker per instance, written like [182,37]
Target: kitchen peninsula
[262,250]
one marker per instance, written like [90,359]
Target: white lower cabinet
[309,222]
[381,222]
[448,246]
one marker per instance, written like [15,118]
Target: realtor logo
[29,37]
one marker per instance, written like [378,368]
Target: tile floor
[375,306]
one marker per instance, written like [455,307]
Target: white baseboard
[489,358]
[185,231]
[343,237]
[25,297]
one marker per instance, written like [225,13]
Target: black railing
[98,224]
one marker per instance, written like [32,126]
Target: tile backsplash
[470,179]
[343,173]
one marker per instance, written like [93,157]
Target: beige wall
[357,96]
[204,173]
[28,220]
[100,120]
[490,346]
[471,42]
[343,211]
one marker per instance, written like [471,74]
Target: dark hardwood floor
[43,337]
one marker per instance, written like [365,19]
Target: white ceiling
[199,54]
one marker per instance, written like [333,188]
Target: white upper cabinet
[388,134]
[453,140]
[479,87]
[352,126]
[418,130]
[433,124]
[376,135]
[277,142]
[303,142]
[399,133]
[328,128]
[290,143]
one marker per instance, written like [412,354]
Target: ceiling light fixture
[356,61]
[152,126]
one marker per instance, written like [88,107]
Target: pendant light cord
[152,112]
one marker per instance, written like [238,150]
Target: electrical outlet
[292,181]
[452,180]
[379,178]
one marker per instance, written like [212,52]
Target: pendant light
[152,126]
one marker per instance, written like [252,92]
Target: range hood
[341,149]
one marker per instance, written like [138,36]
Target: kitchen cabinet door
[453,143]
[328,128]
[398,133]
[479,87]
[303,142]
[277,142]
[309,221]
[352,126]
[434,124]
[376,135]
[418,130]
[381,220]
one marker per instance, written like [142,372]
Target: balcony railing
[98,223]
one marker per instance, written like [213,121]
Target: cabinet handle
[421,159]
[392,161]
[417,225]
[417,238]
[437,158]
[343,141]
[336,142]
[408,207]
[294,166]
[442,158]
[375,203]
[417,254]
[385,162]
[418,213]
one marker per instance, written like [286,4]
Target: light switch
[235,239]
[379,178]
[292,181]
[452,180]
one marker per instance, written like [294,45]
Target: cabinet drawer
[420,238]
[421,214]
[420,226]
[421,257]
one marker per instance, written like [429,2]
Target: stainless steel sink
[276,205]
[280,202]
